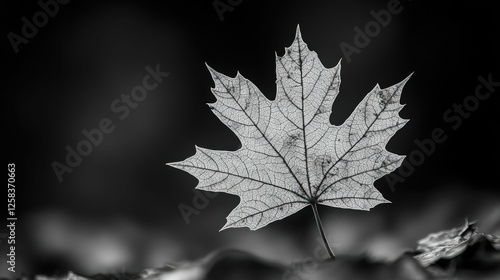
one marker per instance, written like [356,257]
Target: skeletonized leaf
[291,155]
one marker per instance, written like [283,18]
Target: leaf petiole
[314,206]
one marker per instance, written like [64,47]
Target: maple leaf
[291,156]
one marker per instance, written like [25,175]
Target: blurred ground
[60,241]
[459,253]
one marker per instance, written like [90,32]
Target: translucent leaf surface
[291,155]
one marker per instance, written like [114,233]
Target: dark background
[119,208]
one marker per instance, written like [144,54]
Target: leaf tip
[297,30]
[211,70]
[197,148]
[173,164]
[403,82]
[298,34]
[208,67]
[239,76]
[211,105]
[226,226]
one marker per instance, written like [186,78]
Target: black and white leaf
[291,156]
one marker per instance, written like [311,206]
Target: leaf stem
[314,206]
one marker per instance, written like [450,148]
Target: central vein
[303,119]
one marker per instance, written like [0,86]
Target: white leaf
[291,155]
